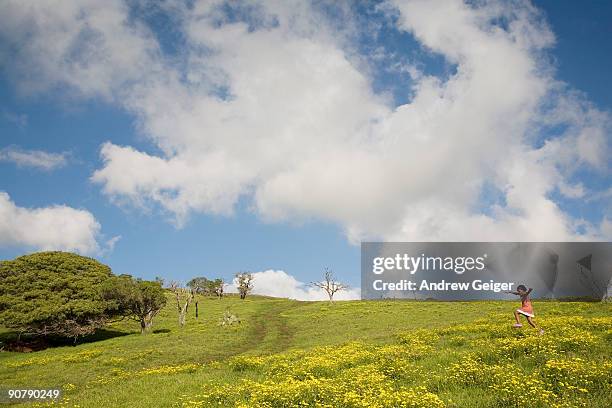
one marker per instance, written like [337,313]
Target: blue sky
[150,246]
[278,216]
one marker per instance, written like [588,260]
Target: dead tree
[218,289]
[330,285]
[244,282]
[184,296]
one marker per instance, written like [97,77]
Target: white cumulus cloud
[277,283]
[56,227]
[277,108]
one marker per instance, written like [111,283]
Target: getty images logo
[413,264]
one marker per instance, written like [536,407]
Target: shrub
[53,293]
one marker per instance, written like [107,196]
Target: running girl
[526,308]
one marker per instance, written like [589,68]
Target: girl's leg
[516,316]
[531,323]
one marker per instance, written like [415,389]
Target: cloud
[57,227]
[18,119]
[110,243]
[572,191]
[601,195]
[86,44]
[607,226]
[278,283]
[33,158]
[273,104]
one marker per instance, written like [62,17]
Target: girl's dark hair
[521,287]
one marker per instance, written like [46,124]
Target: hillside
[400,345]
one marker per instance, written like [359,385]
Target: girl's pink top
[526,305]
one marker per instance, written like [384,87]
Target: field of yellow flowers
[350,354]
[569,366]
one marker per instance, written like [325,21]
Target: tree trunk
[143,326]
[183,313]
[182,319]
[331,296]
[182,310]
[145,323]
[196,305]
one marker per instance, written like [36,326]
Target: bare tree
[218,288]
[184,296]
[330,285]
[244,283]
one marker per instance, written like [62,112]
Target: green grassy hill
[358,353]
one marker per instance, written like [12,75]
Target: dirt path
[271,331]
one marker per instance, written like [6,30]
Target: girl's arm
[529,291]
[512,293]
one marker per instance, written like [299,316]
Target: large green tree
[135,298]
[54,293]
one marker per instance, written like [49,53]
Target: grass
[174,366]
